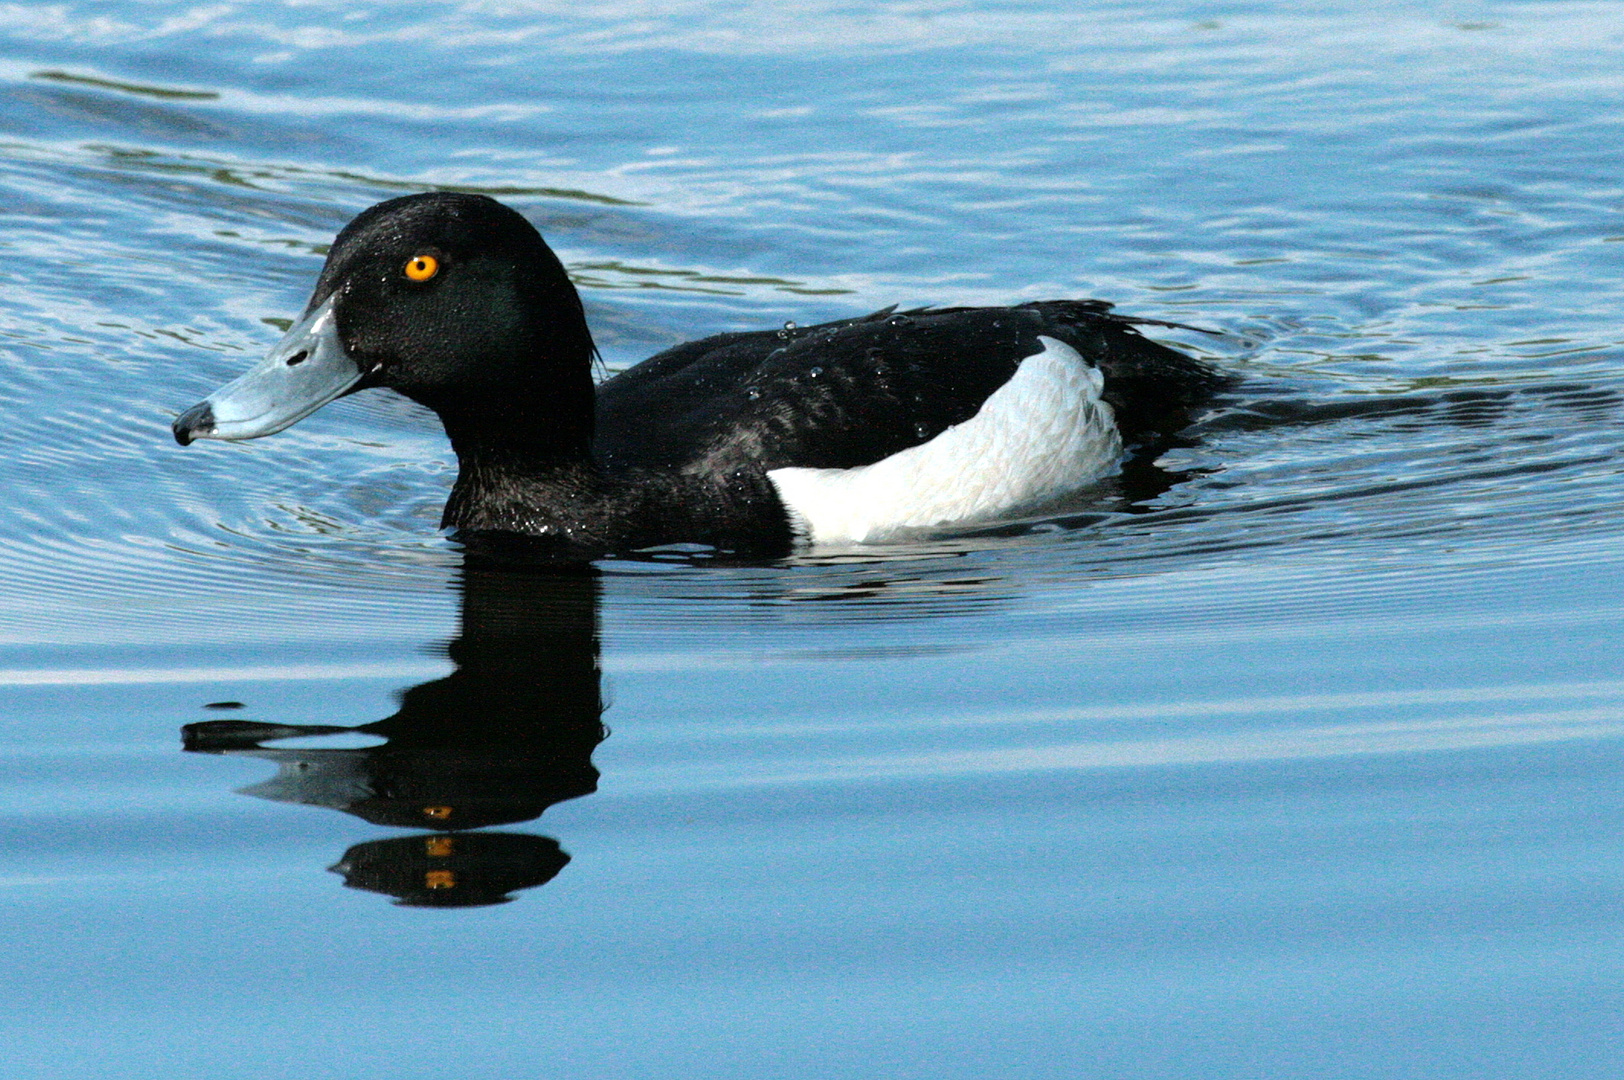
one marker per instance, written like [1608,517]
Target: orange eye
[422,267]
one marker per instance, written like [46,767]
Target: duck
[857,431]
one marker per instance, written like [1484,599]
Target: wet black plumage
[848,393]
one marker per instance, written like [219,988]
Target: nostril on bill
[299,357]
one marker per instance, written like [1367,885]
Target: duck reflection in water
[509,733]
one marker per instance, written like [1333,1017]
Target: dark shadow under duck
[858,430]
[506,735]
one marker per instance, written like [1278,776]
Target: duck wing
[849,393]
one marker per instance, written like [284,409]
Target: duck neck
[538,485]
[522,403]
[523,425]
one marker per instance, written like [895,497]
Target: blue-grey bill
[307,369]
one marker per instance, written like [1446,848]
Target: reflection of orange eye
[422,267]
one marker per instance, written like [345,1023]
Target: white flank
[1041,435]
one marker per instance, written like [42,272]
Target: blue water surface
[1306,764]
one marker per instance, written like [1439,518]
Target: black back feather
[849,393]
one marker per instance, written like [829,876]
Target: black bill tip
[194,423]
